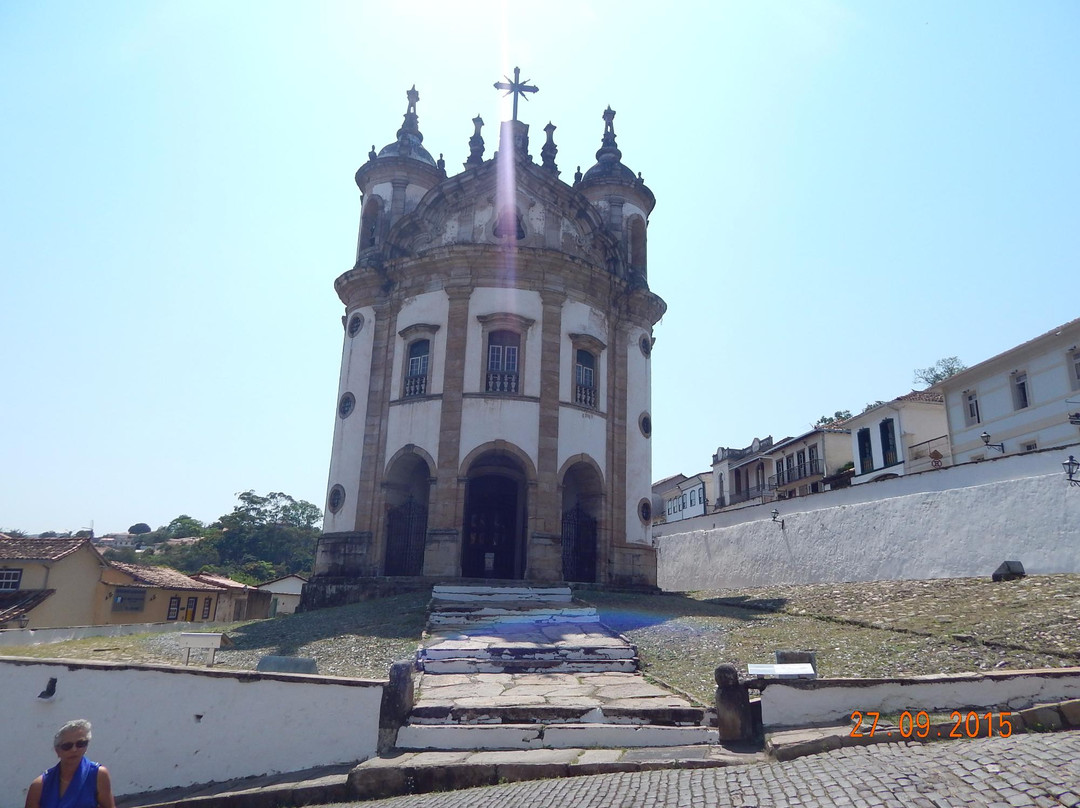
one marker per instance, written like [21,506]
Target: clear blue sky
[845,191]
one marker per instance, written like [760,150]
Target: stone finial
[608,149]
[441,163]
[476,144]
[549,151]
[371,154]
[411,126]
[577,175]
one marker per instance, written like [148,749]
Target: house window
[1020,390]
[800,458]
[693,497]
[416,370]
[815,466]
[1030,447]
[888,442]
[128,599]
[9,580]
[585,379]
[174,608]
[866,451]
[971,408]
[206,608]
[1074,365]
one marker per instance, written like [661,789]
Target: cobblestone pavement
[1024,770]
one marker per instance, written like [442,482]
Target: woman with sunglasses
[76,781]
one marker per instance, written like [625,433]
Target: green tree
[139,528]
[939,371]
[13,533]
[835,418]
[183,527]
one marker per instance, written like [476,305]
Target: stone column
[545,523]
[443,556]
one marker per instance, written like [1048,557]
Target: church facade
[493,415]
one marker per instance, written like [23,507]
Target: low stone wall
[158,727]
[824,702]
[42,636]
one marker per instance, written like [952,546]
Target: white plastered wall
[492,418]
[578,318]
[348,448]
[156,727]
[431,308]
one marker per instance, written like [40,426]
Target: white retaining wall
[42,636]
[157,727]
[825,702]
[956,522]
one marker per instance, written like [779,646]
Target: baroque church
[493,405]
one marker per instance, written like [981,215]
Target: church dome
[609,166]
[409,141]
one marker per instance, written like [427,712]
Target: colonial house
[898,437]
[237,601]
[1024,399]
[48,583]
[801,465]
[741,475]
[286,593]
[681,497]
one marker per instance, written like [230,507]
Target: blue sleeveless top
[81,791]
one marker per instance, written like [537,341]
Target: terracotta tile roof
[927,396]
[14,604]
[164,577]
[219,580]
[27,549]
[283,578]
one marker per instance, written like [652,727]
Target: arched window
[369,223]
[416,372]
[502,362]
[585,379]
[637,244]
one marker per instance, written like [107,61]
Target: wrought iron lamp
[1071,468]
[24,620]
[775,514]
[986,442]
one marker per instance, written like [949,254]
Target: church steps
[444,714]
[448,737]
[516,594]
[472,665]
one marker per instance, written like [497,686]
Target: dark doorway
[492,535]
[578,545]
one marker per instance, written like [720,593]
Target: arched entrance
[493,543]
[582,500]
[408,484]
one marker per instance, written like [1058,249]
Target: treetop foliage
[939,371]
[829,420]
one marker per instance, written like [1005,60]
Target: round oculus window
[346,405]
[356,322]
[645,511]
[646,344]
[645,424]
[336,499]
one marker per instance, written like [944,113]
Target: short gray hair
[78,723]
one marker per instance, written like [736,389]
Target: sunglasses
[67,746]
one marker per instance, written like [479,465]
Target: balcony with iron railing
[749,494]
[500,381]
[799,471]
[930,454]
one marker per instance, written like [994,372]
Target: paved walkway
[1024,770]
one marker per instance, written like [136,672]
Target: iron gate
[406,531]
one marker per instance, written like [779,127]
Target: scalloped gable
[465,209]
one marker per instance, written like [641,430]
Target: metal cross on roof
[517,87]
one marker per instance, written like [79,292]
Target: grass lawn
[881,628]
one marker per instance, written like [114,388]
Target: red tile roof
[922,395]
[164,577]
[15,604]
[27,549]
[219,580]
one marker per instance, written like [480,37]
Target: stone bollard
[397,702]
[733,717]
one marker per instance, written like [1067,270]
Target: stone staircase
[528,667]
